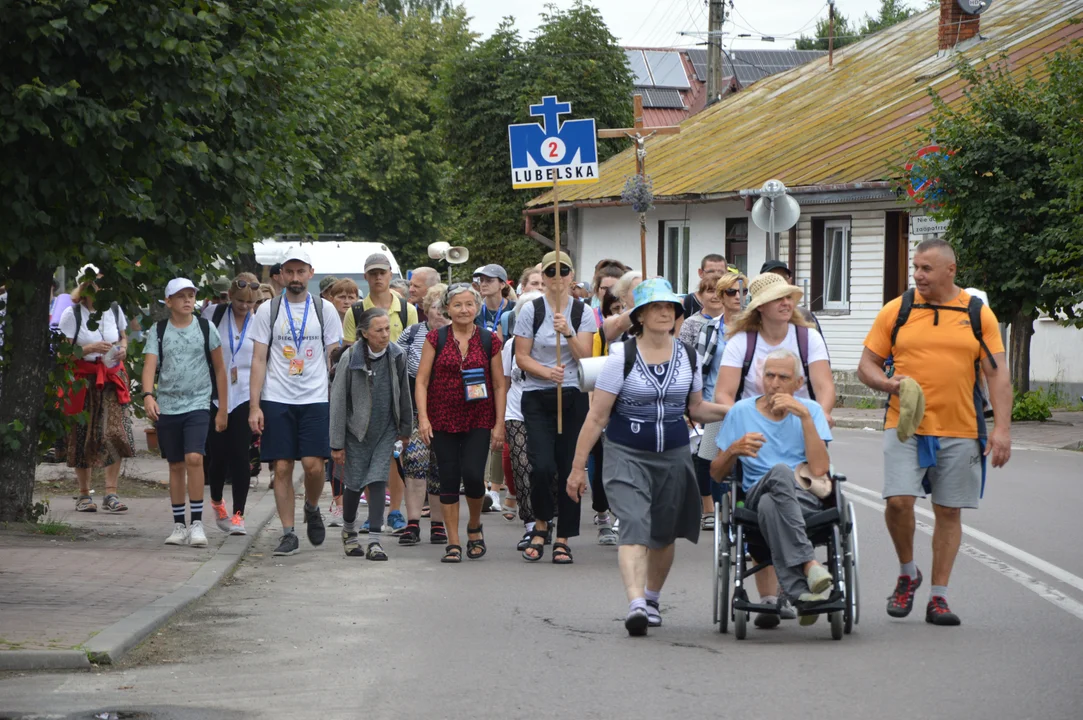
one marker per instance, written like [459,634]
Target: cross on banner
[638,135]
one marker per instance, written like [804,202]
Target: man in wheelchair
[773,435]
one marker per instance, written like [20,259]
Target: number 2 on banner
[553,149]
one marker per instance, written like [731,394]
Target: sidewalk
[98,587]
[1063,432]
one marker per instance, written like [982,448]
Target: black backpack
[751,336]
[79,320]
[578,307]
[276,306]
[486,345]
[630,351]
[973,311]
[205,328]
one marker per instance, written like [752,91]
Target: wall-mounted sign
[925,225]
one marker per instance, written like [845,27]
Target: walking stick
[556,248]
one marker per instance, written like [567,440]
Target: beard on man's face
[296,287]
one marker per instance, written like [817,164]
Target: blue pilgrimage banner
[565,150]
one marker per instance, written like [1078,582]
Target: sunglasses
[732,292]
[551,271]
[244,283]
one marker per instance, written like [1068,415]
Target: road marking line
[1036,586]
[1021,555]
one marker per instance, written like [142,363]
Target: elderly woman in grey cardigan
[371,408]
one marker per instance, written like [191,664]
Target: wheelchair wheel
[740,624]
[836,625]
[715,574]
[850,570]
[723,568]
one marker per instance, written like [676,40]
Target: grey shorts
[955,480]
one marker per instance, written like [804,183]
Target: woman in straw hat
[647,473]
[771,322]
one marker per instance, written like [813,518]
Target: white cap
[88,266]
[296,252]
[176,285]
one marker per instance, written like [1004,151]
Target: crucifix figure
[639,135]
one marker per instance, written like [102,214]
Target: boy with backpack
[185,354]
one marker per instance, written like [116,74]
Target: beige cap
[911,408]
[552,258]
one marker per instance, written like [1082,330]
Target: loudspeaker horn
[438,250]
[457,255]
[786,213]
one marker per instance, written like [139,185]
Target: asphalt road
[320,636]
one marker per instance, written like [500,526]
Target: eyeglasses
[732,292]
[551,271]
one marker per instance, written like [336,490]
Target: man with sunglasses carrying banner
[552,334]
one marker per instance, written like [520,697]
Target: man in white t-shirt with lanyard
[293,335]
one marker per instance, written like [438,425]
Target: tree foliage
[148,138]
[490,86]
[1013,191]
[890,13]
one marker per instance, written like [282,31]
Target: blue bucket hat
[656,290]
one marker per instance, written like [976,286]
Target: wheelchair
[736,530]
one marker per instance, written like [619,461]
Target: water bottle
[398,449]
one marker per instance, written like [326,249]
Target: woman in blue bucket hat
[645,388]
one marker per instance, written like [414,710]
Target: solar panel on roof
[666,69]
[640,76]
[661,98]
[698,58]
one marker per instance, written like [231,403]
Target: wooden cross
[639,135]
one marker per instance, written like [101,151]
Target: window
[831,264]
[678,241]
[737,243]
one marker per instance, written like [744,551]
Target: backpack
[79,320]
[404,309]
[276,306]
[205,328]
[486,345]
[578,307]
[630,351]
[973,311]
[219,313]
[751,336]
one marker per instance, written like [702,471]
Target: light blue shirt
[784,440]
[711,376]
[184,382]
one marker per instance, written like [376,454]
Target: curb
[118,639]
[858,424]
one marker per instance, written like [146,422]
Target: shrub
[1033,405]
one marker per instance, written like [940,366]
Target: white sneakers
[495,495]
[179,536]
[194,536]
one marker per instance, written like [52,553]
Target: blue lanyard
[304,321]
[499,312]
[240,342]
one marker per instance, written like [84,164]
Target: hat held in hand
[818,485]
[911,408]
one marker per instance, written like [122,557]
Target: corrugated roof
[815,126]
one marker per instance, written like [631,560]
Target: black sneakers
[289,545]
[938,613]
[316,530]
[901,602]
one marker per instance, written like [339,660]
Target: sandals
[85,503]
[437,533]
[540,549]
[411,535]
[523,541]
[475,549]
[562,554]
[113,504]
[452,554]
[707,522]
[375,552]
[351,545]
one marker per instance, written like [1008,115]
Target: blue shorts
[180,435]
[292,432]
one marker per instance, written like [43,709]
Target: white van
[341,258]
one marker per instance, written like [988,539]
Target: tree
[148,138]
[844,34]
[1013,191]
[492,85]
[388,162]
[891,12]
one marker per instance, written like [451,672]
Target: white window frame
[684,247]
[830,227]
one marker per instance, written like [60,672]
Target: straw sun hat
[767,287]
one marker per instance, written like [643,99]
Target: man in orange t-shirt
[937,347]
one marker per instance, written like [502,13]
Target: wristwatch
[151,394]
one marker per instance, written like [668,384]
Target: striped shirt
[412,341]
[649,411]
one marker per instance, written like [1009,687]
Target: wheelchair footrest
[835,603]
[771,609]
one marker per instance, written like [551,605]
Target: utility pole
[715,18]
[831,34]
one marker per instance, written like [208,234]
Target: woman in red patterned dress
[460,397]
